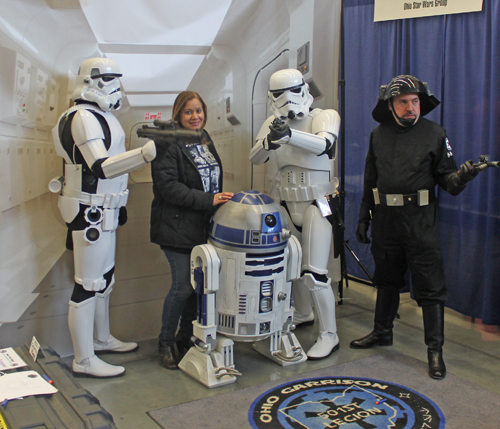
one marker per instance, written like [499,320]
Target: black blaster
[165,131]
[485,162]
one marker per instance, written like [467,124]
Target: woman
[187,186]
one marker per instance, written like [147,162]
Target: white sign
[34,348]
[10,359]
[386,10]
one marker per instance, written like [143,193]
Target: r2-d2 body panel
[243,278]
[253,301]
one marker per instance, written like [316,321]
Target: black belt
[418,199]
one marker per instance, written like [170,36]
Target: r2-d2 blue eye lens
[270,221]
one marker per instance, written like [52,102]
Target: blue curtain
[459,57]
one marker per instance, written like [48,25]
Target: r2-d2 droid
[243,278]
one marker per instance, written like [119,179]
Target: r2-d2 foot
[211,368]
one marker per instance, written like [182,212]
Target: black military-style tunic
[404,160]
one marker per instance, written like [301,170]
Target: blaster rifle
[164,131]
[484,162]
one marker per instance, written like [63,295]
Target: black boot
[168,356]
[183,346]
[434,338]
[386,309]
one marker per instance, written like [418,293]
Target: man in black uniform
[408,156]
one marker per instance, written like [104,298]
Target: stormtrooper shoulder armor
[326,123]
[88,136]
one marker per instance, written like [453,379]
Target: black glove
[279,129]
[268,145]
[363,225]
[467,172]
[122,216]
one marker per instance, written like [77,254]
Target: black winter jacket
[181,209]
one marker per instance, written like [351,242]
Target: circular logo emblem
[346,403]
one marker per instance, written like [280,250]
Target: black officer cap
[403,84]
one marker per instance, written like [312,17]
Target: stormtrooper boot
[324,303]
[302,302]
[104,342]
[81,326]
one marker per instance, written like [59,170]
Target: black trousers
[407,238]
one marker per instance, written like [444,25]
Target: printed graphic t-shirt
[207,166]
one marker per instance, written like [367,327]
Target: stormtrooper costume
[303,144]
[92,200]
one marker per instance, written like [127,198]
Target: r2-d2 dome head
[98,82]
[250,222]
[289,94]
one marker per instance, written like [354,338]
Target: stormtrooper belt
[108,201]
[308,193]
[421,198]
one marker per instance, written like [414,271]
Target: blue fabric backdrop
[459,57]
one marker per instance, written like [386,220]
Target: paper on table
[23,383]
[10,359]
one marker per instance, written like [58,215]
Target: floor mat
[390,390]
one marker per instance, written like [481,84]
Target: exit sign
[152,116]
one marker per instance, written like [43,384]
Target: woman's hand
[222,197]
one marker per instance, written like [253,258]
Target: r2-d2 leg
[282,346]
[210,360]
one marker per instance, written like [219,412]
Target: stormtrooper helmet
[289,94]
[98,82]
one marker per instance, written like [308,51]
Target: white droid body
[302,144]
[243,279]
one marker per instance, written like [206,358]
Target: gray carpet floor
[463,404]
